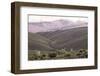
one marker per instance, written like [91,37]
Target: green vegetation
[57,54]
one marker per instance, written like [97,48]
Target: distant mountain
[74,38]
[54,25]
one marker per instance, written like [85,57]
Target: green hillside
[37,42]
[68,38]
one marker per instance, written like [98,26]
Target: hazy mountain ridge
[55,25]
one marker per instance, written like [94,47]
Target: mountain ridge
[61,24]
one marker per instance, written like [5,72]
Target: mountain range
[60,24]
[73,38]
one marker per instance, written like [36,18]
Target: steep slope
[75,38]
[37,42]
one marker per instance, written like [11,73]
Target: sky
[41,18]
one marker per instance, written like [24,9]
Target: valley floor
[58,54]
